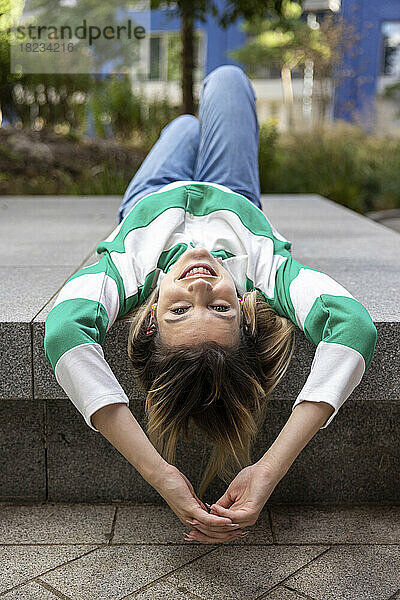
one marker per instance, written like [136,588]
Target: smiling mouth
[198,270]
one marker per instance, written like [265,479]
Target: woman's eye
[176,311]
[223,308]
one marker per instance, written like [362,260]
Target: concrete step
[49,453]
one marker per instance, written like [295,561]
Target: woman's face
[196,306]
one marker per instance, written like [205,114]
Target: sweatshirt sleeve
[334,321]
[85,309]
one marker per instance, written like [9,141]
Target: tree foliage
[190,10]
[288,41]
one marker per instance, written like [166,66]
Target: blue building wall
[358,76]
[355,94]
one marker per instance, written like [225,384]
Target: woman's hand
[244,498]
[179,494]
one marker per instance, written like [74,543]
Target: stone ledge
[356,455]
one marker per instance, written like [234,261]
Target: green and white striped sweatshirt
[134,258]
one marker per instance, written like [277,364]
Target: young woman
[214,295]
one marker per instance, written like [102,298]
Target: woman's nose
[199,285]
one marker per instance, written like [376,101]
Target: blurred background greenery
[87,134]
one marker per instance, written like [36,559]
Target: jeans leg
[172,158]
[229,132]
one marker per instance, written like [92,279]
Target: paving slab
[60,523]
[333,524]
[283,593]
[163,590]
[30,591]
[124,568]
[139,523]
[242,572]
[110,573]
[21,563]
[350,573]
[22,450]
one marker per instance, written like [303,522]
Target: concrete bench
[49,453]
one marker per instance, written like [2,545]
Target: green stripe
[249,285]
[198,200]
[224,254]
[332,318]
[72,323]
[250,216]
[281,301]
[106,266]
[342,320]
[169,257]
[142,214]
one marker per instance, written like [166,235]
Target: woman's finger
[210,520]
[237,515]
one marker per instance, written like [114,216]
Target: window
[165,56]
[155,48]
[391,48]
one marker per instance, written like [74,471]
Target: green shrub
[121,113]
[339,162]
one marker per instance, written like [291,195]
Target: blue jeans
[221,146]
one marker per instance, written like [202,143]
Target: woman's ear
[152,322]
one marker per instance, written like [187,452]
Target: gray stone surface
[353,460]
[163,590]
[15,361]
[60,523]
[83,466]
[53,230]
[112,572]
[283,593]
[30,591]
[349,573]
[22,451]
[351,248]
[43,240]
[242,572]
[25,290]
[139,524]
[333,524]
[21,563]
[125,567]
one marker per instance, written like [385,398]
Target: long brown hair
[223,391]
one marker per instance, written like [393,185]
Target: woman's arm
[118,425]
[304,422]
[249,491]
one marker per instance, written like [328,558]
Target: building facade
[370,66]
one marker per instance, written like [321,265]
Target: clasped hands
[239,507]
